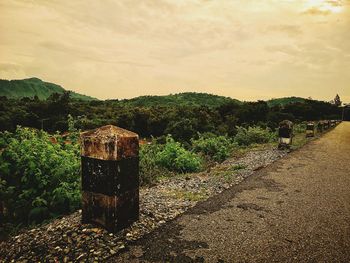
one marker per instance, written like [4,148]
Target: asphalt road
[295,210]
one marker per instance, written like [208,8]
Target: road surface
[295,210]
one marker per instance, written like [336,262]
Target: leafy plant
[217,148]
[150,171]
[39,175]
[299,127]
[250,135]
[176,158]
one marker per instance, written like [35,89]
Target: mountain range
[31,87]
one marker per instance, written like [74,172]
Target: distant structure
[337,102]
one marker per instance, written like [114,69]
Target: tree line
[182,121]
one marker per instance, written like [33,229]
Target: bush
[175,157]
[217,148]
[150,171]
[250,135]
[299,127]
[5,138]
[39,176]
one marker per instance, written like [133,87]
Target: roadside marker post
[110,177]
[285,134]
[310,129]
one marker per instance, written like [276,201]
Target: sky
[243,49]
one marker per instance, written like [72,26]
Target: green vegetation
[285,101]
[238,167]
[227,172]
[174,157]
[150,171]
[181,115]
[251,135]
[182,122]
[34,87]
[216,148]
[299,127]
[181,99]
[39,176]
[299,138]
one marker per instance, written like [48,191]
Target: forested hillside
[181,99]
[285,101]
[34,87]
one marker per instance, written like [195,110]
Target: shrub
[149,169]
[250,135]
[39,178]
[217,148]
[175,157]
[299,127]
[4,139]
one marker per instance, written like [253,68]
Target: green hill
[16,89]
[185,99]
[284,101]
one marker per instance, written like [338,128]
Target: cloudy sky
[244,49]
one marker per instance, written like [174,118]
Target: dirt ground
[295,210]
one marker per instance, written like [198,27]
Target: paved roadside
[295,210]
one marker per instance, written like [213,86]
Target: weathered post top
[310,125]
[110,177]
[109,143]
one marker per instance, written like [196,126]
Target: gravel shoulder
[294,210]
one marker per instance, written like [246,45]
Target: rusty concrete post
[285,134]
[310,129]
[110,177]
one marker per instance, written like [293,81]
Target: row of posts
[285,130]
[110,172]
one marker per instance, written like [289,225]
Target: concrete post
[310,129]
[110,177]
[285,134]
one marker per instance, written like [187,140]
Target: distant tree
[54,97]
[182,130]
[59,104]
[337,101]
